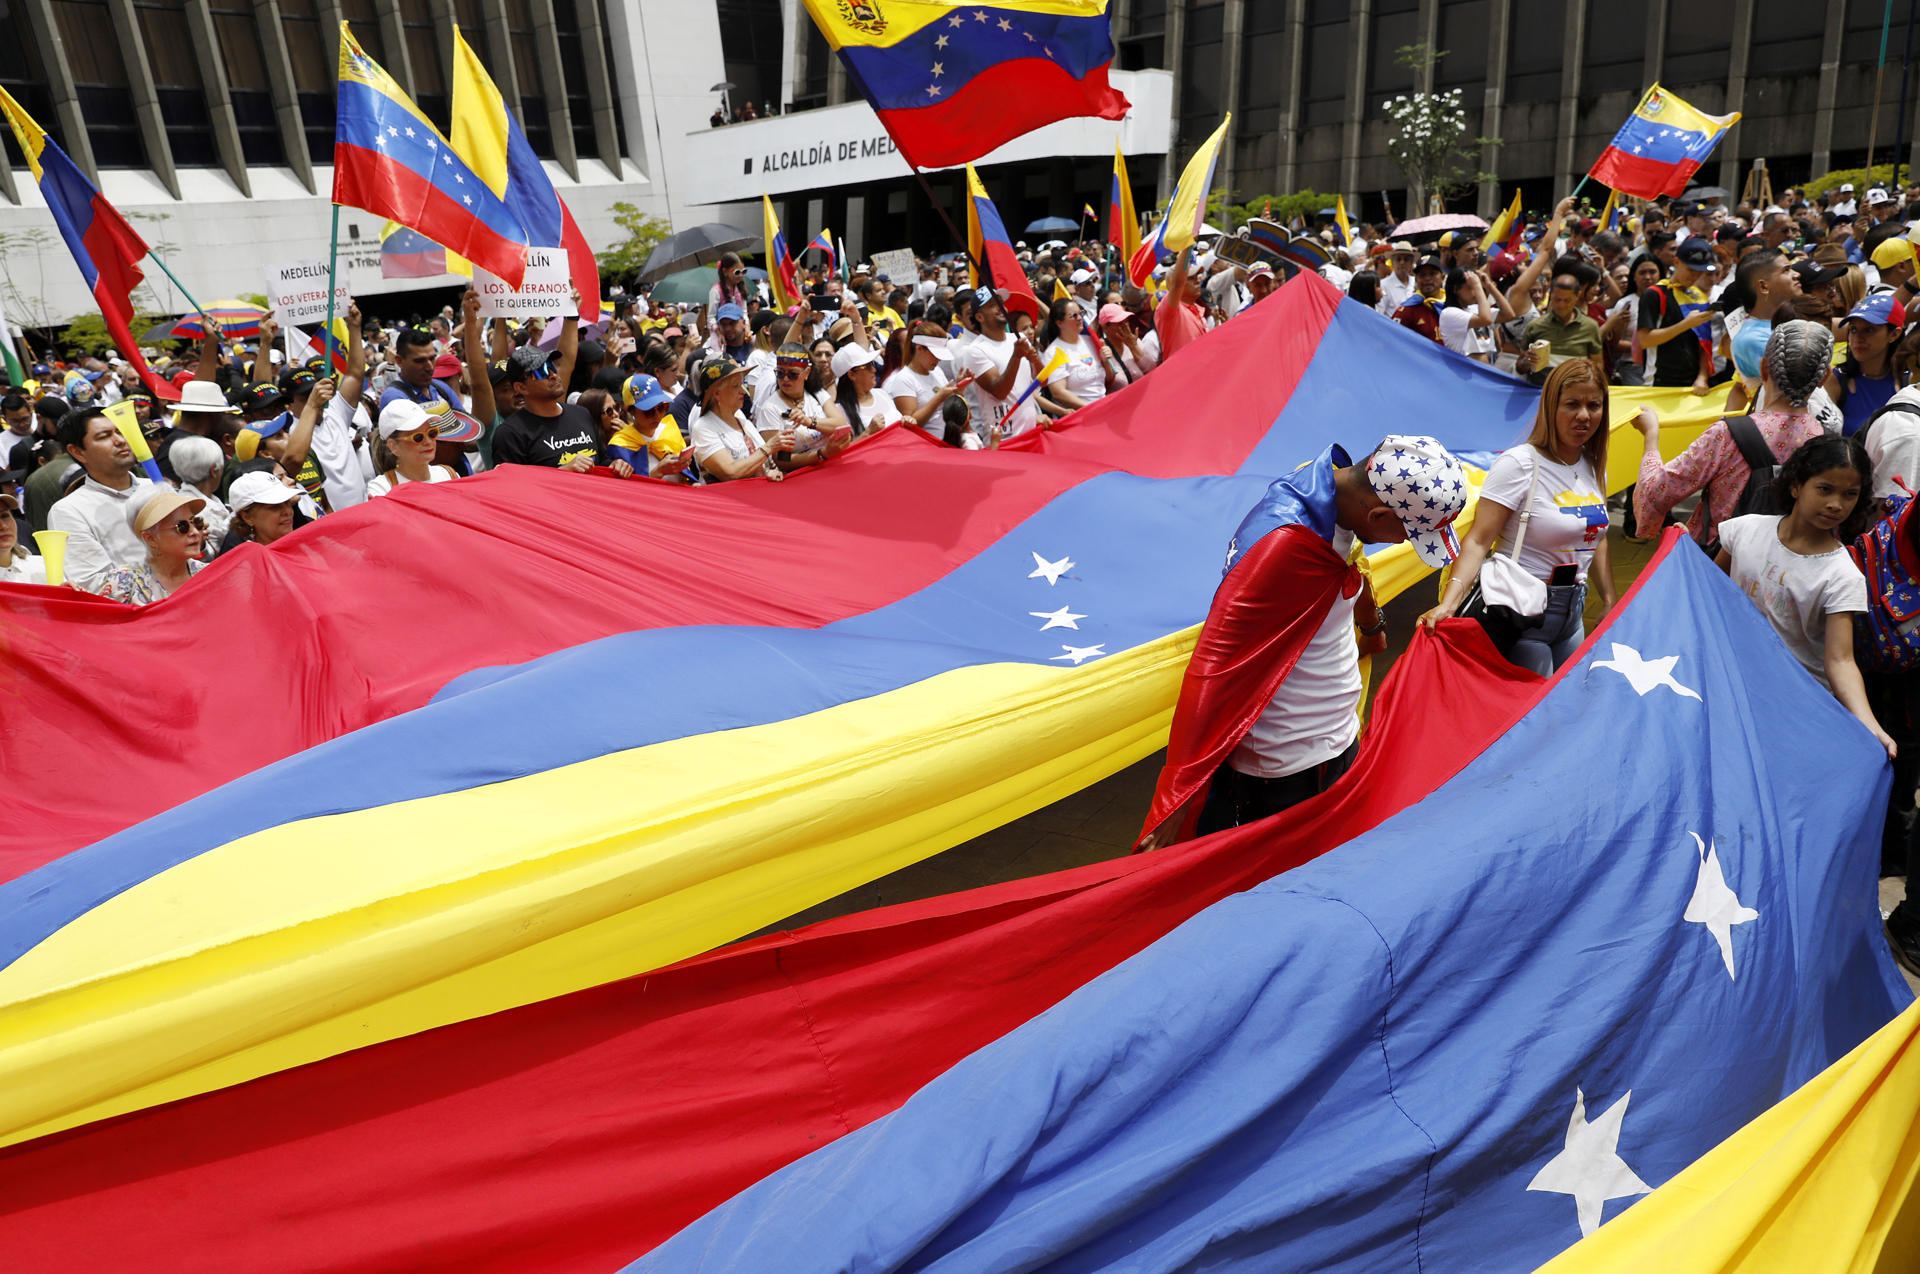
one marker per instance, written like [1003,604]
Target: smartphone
[841,434]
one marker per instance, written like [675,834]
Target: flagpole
[333,256]
[198,308]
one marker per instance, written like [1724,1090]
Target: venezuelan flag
[390,160]
[1503,226]
[488,138]
[782,278]
[952,82]
[1660,147]
[1123,226]
[824,243]
[408,254]
[988,246]
[105,247]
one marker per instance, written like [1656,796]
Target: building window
[1200,78]
[1616,48]
[176,82]
[1145,45]
[248,87]
[1699,43]
[811,91]
[526,64]
[1462,38]
[1396,24]
[100,81]
[1788,36]
[750,38]
[1534,35]
[430,77]
[1263,82]
[312,77]
[573,68]
[1323,64]
[22,76]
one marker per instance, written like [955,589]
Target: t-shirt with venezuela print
[1569,509]
[550,441]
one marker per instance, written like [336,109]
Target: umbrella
[235,317]
[1430,227]
[724,86]
[691,287]
[161,331]
[1051,225]
[701,245]
[1707,192]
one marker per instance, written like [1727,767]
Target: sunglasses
[419,435]
[791,373]
[184,525]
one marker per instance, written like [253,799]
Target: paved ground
[1101,821]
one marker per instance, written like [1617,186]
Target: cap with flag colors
[952,83]
[389,159]
[989,246]
[105,247]
[1660,147]
[488,138]
[408,254]
[782,277]
[1186,212]
[1123,224]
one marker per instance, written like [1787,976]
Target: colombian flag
[1186,212]
[952,82]
[388,159]
[782,278]
[824,242]
[488,138]
[309,1006]
[1660,147]
[1503,226]
[104,246]
[1123,225]
[989,246]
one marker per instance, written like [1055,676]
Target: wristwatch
[1378,626]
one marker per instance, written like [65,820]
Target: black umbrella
[701,245]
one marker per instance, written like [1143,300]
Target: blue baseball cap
[643,393]
[730,310]
[1882,308]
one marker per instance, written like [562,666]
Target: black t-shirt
[525,438]
[1676,363]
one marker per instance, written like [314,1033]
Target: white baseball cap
[850,356]
[1846,187]
[1422,482]
[1083,275]
[402,415]
[259,488]
[934,343]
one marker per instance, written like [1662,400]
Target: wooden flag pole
[333,261]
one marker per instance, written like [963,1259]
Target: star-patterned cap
[1422,482]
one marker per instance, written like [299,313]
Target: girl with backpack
[1733,462]
[1796,568]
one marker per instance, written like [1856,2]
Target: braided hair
[1798,356]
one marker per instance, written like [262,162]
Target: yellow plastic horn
[53,551]
[1053,365]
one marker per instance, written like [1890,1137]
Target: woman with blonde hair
[1851,287]
[1555,481]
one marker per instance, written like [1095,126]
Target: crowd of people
[1792,318]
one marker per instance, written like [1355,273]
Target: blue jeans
[1562,628]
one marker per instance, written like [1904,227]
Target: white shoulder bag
[1504,582]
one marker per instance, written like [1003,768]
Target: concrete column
[329,11]
[1294,29]
[393,34]
[1429,36]
[792,43]
[67,120]
[1359,30]
[1232,35]
[836,81]
[500,45]
[554,87]
[1173,41]
[213,81]
[1499,16]
[1573,47]
[1729,150]
[593,43]
[1829,90]
[146,102]
[286,107]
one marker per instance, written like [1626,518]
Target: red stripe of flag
[1641,177]
[369,180]
[1002,102]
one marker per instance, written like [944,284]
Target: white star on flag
[1005,25]
[979,15]
[1049,571]
[1714,904]
[938,70]
[469,200]
[954,21]
[1062,618]
[380,139]
[1590,1168]
[411,133]
[1644,674]
[392,131]
[1080,654]
[940,43]
[933,90]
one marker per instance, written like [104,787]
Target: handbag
[1508,599]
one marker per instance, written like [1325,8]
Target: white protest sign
[897,266]
[297,291]
[546,292]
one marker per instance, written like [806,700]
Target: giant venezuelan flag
[951,82]
[104,246]
[1245,1050]
[389,159]
[488,138]
[1660,147]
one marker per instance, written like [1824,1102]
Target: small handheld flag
[1123,224]
[988,245]
[1340,219]
[782,278]
[1187,211]
[1502,225]
[1660,147]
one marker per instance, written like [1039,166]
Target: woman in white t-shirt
[1796,568]
[814,420]
[1467,323]
[724,443]
[1084,379]
[1554,479]
[864,406]
[411,438]
[918,387]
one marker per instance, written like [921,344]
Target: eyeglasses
[184,525]
[790,373]
[419,435]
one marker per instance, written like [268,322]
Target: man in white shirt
[16,413]
[1338,271]
[1086,293]
[1846,207]
[1396,288]
[94,514]
[1227,290]
[1003,366]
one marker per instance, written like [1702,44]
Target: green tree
[1429,139]
[624,259]
[87,333]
